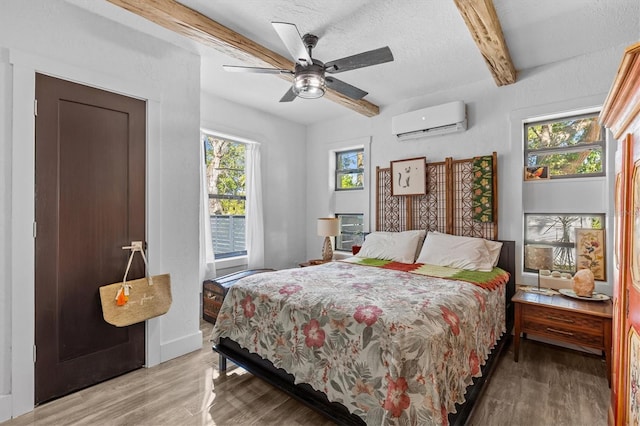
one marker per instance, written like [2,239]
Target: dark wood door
[90,201]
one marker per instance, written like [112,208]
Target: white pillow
[494,248]
[456,252]
[423,235]
[396,246]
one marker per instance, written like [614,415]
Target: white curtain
[207,257]
[254,224]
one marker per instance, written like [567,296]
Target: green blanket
[488,280]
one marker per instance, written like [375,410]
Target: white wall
[283,149]
[56,38]
[5,232]
[494,120]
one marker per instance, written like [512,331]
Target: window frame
[339,236]
[572,245]
[339,171]
[237,253]
[567,150]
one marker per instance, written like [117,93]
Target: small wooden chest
[214,292]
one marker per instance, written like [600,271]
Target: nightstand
[312,262]
[563,319]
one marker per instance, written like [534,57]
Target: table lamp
[328,227]
[540,257]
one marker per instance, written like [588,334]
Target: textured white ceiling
[432,47]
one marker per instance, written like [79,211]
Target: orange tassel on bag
[121,298]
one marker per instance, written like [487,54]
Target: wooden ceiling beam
[484,25]
[196,26]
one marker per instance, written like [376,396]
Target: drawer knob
[553,330]
[568,321]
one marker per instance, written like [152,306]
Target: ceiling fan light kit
[309,81]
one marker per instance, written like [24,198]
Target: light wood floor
[549,386]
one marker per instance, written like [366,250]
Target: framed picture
[536,172]
[409,177]
[590,251]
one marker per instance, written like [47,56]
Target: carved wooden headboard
[448,205]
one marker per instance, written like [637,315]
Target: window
[570,146]
[226,178]
[549,239]
[350,169]
[351,231]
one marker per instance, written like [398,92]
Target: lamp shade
[328,226]
[538,257]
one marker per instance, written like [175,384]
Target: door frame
[24,68]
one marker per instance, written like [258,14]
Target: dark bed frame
[264,369]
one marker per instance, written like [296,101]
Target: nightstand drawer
[572,320]
[561,331]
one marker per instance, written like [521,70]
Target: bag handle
[122,295]
[136,246]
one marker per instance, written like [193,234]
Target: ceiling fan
[309,79]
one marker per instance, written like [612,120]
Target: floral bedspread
[391,346]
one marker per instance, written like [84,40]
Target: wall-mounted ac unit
[435,120]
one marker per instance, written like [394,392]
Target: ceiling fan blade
[361,60]
[289,96]
[233,68]
[345,88]
[293,41]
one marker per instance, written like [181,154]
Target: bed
[375,340]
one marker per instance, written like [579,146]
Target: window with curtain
[226,183]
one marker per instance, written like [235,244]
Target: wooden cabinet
[564,319]
[621,115]
[214,292]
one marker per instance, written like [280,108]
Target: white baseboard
[5,408]
[181,346]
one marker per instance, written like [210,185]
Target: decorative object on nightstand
[328,227]
[584,283]
[595,297]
